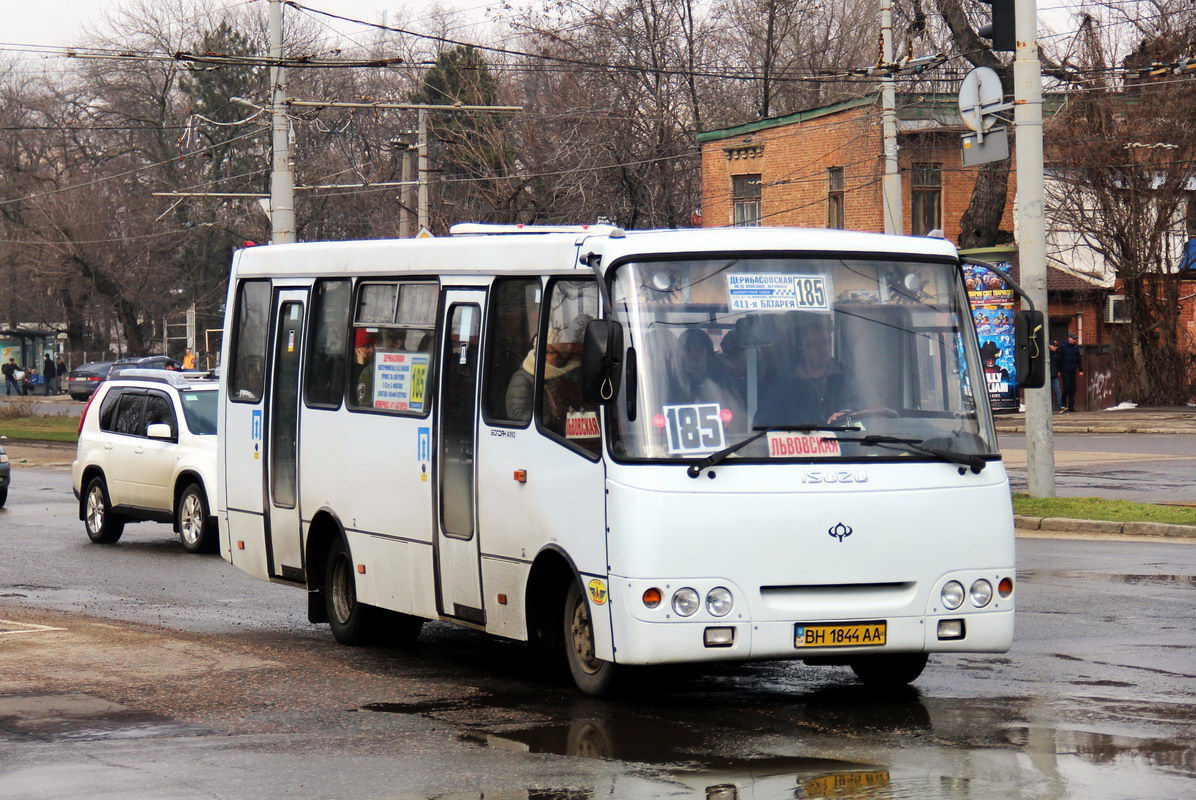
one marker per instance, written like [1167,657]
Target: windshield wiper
[971,461]
[695,469]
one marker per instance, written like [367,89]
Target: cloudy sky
[29,23]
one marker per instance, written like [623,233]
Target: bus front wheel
[591,675]
[889,671]
[353,623]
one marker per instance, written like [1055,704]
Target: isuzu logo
[840,531]
[835,476]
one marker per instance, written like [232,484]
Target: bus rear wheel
[590,674]
[353,623]
[889,671]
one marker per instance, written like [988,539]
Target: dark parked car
[5,473]
[82,381]
[144,362]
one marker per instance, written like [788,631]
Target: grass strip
[41,429]
[1100,508]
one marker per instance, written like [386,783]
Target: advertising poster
[400,379]
[993,308]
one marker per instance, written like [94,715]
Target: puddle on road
[850,745]
[81,717]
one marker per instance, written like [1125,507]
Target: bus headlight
[719,601]
[953,594]
[981,592]
[685,602]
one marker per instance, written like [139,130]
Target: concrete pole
[891,185]
[282,181]
[1031,231]
[422,144]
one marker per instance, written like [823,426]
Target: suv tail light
[83,416]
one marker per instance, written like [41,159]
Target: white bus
[629,447]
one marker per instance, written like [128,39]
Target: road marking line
[26,627]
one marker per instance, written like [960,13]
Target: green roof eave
[787,119]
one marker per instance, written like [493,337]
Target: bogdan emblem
[840,531]
[597,592]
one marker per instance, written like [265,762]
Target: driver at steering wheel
[818,389]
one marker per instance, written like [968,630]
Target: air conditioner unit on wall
[1115,309]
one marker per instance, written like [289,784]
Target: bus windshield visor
[721,349]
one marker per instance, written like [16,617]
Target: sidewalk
[1138,420]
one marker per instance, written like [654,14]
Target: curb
[1104,526]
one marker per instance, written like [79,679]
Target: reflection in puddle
[833,743]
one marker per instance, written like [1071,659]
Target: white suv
[147,451]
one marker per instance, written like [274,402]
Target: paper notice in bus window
[581,425]
[400,378]
[693,429]
[802,445]
[756,291]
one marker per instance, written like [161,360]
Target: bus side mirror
[601,361]
[1030,341]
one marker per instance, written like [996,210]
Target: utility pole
[891,185]
[422,145]
[1031,230]
[282,181]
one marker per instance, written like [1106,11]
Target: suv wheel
[197,530]
[102,526]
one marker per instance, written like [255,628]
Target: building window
[927,190]
[745,193]
[835,217]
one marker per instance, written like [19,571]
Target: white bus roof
[509,248]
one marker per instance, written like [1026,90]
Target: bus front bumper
[675,641]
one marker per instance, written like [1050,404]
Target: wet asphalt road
[177,676]
[1146,467]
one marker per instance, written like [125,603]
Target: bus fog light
[686,602]
[981,592]
[719,601]
[720,637]
[652,597]
[1005,587]
[953,594]
[951,629]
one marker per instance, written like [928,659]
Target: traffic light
[1001,29]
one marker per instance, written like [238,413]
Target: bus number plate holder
[840,634]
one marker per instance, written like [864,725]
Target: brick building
[822,168]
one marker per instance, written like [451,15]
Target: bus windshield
[720,349]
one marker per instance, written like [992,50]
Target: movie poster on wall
[993,309]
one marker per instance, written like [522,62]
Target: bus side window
[510,364]
[571,306]
[326,355]
[249,356]
[392,338]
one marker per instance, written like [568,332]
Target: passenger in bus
[363,365]
[732,361]
[697,376]
[562,389]
[522,387]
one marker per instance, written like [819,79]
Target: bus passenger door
[458,567]
[282,430]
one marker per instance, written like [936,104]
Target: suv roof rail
[179,380]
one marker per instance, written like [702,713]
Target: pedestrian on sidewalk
[1056,388]
[189,360]
[60,371]
[10,371]
[49,373]
[1070,366]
